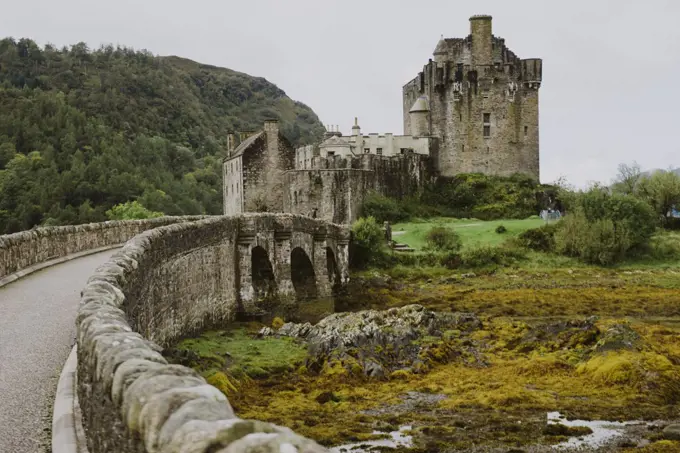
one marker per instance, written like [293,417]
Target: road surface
[37,331]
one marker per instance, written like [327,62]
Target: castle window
[379,151]
[367,150]
[236,187]
[463,148]
[487,125]
[460,116]
[331,153]
[526,130]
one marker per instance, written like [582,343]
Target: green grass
[473,232]
[236,351]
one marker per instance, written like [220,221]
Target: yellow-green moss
[277,323]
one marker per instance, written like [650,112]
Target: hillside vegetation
[83,130]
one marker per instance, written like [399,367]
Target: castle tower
[420,117]
[483,105]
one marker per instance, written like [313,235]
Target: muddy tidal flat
[510,361]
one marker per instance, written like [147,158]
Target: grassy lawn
[472,232]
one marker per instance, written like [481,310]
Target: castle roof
[422,104]
[336,141]
[441,47]
[245,144]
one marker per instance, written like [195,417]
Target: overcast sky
[611,68]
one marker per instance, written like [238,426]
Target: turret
[420,117]
[482,48]
[356,130]
[532,72]
[440,51]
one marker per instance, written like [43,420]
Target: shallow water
[396,439]
[603,431]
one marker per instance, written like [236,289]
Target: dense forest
[84,130]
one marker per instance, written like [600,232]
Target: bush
[632,213]
[130,211]
[368,242]
[486,255]
[664,246]
[443,239]
[382,208]
[598,242]
[540,239]
[500,229]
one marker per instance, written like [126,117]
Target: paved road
[37,331]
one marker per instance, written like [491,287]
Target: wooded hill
[83,130]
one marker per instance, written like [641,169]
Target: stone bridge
[178,277]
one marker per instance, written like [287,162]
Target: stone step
[402,248]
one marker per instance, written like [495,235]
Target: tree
[661,190]
[627,178]
[130,211]
[114,125]
[368,240]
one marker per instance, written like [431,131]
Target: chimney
[271,130]
[480,29]
[231,143]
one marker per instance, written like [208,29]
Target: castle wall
[253,178]
[232,186]
[337,186]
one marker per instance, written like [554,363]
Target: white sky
[610,90]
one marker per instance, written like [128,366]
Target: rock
[375,342]
[671,432]
[266,332]
[619,336]
[373,369]
[468,275]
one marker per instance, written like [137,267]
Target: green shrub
[500,229]
[541,239]
[633,213]
[664,246]
[443,239]
[597,242]
[450,260]
[130,211]
[382,208]
[486,255]
[368,242]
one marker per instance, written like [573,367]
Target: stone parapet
[21,250]
[163,284]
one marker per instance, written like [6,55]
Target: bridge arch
[334,277]
[262,273]
[302,274]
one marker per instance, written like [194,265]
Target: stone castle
[473,109]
